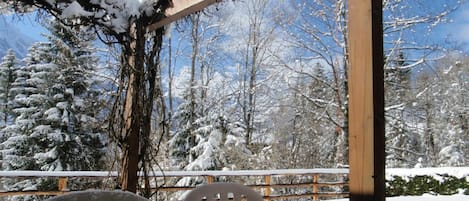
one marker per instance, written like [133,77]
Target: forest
[241,85]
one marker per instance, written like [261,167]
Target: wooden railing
[284,184]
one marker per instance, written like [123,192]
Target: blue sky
[30,27]
[457,30]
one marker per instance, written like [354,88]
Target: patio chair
[98,195]
[223,192]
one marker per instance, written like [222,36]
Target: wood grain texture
[365,99]
[180,9]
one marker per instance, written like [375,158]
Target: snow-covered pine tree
[55,127]
[124,24]
[69,124]
[304,129]
[181,142]
[202,127]
[191,109]
[403,148]
[7,67]
[27,105]
[440,110]
[448,91]
[454,129]
[324,131]
[218,143]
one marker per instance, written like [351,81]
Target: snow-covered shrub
[423,184]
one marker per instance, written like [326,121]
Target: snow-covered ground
[458,172]
[426,198]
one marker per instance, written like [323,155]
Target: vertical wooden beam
[62,185]
[315,187]
[378,101]
[366,94]
[209,179]
[267,188]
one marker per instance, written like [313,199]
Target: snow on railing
[215,173]
[273,184]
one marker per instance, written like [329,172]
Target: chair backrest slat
[223,192]
[98,195]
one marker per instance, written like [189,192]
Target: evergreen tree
[322,120]
[182,141]
[308,123]
[450,116]
[219,142]
[403,144]
[28,106]
[7,77]
[69,124]
[440,112]
[55,126]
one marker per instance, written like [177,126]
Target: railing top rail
[176,173]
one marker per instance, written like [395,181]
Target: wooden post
[366,93]
[267,189]
[62,185]
[315,187]
[209,179]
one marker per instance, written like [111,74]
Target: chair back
[98,195]
[223,192]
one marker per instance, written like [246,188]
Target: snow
[78,102]
[451,155]
[44,156]
[41,129]
[115,13]
[425,197]
[53,114]
[57,173]
[75,10]
[174,173]
[403,172]
[458,172]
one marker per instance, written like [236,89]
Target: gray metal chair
[98,195]
[223,192]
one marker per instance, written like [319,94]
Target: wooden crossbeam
[180,9]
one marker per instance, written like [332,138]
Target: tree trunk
[193,85]
[133,108]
